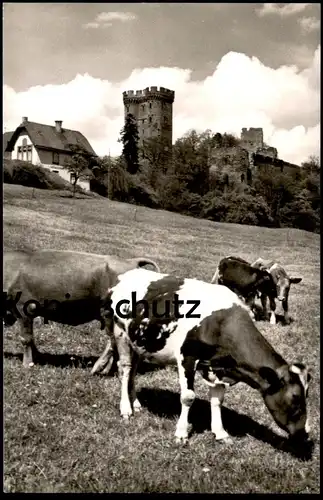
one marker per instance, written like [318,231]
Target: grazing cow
[62,286]
[243,279]
[152,317]
[282,286]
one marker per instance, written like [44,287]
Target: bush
[139,193]
[299,214]
[27,174]
[238,208]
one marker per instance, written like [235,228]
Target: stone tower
[153,110]
[252,138]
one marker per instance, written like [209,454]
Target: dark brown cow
[282,283]
[243,279]
[62,286]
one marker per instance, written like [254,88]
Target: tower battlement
[152,108]
[151,93]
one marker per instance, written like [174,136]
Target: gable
[47,137]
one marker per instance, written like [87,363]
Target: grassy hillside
[63,432]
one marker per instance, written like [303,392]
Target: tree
[229,141]
[156,158]
[312,165]
[79,164]
[111,178]
[129,137]
[191,161]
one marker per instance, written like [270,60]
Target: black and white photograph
[161,247]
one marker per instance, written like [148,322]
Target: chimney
[24,119]
[58,125]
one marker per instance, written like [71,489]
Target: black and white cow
[282,286]
[243,279]
[201,326]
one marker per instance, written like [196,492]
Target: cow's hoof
[225,440]
[28,364]
[137,406]
[222,436]
[126,418]
[94,370]
[181,440]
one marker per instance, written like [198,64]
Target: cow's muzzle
[300,437]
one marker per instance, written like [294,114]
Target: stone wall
[231,161]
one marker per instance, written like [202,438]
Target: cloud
[104,19]
[309,24]
[241,92]
[281,10]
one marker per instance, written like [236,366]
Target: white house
[45,145]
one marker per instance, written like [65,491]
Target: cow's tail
[141,262]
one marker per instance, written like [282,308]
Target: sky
[231,65]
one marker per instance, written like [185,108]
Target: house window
[55,158]
[19,154]
[143,107]
[150,105]
[29,153]
[55,171]
[150,119]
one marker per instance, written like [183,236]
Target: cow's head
[265,283]
[285,397]
[282,282]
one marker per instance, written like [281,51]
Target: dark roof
[47,137]
[5,139]
[260,159]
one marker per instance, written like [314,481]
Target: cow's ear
[295,280]
[270,376]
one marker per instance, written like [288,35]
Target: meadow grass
[62,428]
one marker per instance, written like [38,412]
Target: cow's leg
[216,400]
[264,302]
[286,315]
[132,389]
[186,372]
[27,340]
[125,370]
[250,301]
[272,304]
[105,360]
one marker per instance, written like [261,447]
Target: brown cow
[63,286]
[282,283]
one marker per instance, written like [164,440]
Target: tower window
[150,119]
[143,107]
[127,109]
[150,105]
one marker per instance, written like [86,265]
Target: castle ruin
[252,140]
[153,110]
